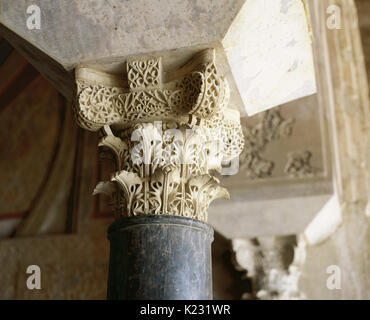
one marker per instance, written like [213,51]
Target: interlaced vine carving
[201,93]
[144,74]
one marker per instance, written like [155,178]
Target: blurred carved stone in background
[273,264]
[271,126]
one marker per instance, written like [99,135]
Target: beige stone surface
[349,249]
[268,48]
[343,88]
[263,47]
[72,267]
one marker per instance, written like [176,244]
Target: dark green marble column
[160,257]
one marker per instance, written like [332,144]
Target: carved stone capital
[167,131]
[195,90]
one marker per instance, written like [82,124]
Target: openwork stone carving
[271,126]
[107,100]
[167,137]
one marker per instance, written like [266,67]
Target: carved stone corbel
[166,136]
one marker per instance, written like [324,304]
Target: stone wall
[349,246]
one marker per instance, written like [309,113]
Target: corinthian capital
[167,130]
